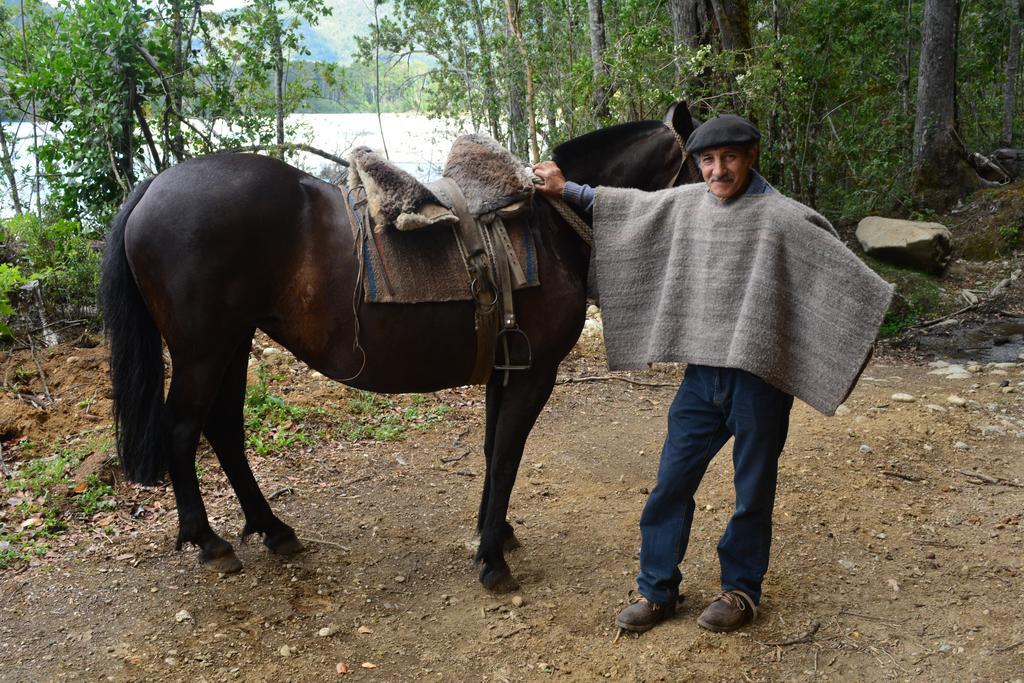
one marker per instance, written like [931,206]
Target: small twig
[31,400]
[936,321]
[3,465]
[1007,648]
[844,612]
[501,636]
[988,479]
[42,375]
[357,480]
[606,378]
[904,475]
[805,637]
[280,492]
[291,146]
[937,544]
[456,458]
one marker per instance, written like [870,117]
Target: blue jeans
[712,405]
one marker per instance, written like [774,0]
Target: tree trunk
[490,89]
[598,44]
[6,152]
[512,8]
[940,172]
[691,22]
[278,51]
[734,23]
[177,142]
[1016,8]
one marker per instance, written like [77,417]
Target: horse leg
[494,395]
[521,403]
[188,401]
[225,430]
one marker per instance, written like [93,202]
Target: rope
[579,226]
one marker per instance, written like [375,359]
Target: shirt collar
[757,185]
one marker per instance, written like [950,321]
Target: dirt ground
[898,551]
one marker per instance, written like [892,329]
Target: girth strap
[485,292]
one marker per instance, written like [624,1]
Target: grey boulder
[913,244]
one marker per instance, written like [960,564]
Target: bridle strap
[682,148]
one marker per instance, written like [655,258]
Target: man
[756,293]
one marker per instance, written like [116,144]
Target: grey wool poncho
[760,283]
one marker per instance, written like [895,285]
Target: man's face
[726,170]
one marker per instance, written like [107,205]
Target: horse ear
[678,116]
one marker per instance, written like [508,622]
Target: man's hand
[554,181]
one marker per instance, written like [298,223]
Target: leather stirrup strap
[485,293]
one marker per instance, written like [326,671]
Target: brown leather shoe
[729,611]
[643,615]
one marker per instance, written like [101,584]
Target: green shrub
[61,256]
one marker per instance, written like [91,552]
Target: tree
[940,171]
[733,18]
[598,45]
[1016,16]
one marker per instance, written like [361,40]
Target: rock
[593,311]
[842,410]
[866,449]
[951,370]
[903,398]
[973,367]
[286,651]
[915,244]
[1010,160]
[956,400]
[938,364]
[183,615]
[945,648]
[270,351]
[960,446]
[934,408]
[847,565]
[1008,390]
[327,631]
[517,601]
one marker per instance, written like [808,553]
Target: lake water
[414,142]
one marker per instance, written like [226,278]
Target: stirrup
[504,339]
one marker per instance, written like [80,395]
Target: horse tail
[136,358]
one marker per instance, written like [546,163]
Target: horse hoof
[286,547]
[511,542]
[228,563]
[498,581]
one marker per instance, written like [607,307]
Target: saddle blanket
[426,265]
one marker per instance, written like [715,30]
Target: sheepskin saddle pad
[487,173]
[411,254]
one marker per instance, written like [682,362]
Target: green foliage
[918,297]
[10,280]
[61,256]
[271,423]
[1011,234]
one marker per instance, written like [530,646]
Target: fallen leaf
[368,665]
[106,521]
[364,629]
[82,486]
[341,668]
[29,523]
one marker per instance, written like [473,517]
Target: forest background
[867,106]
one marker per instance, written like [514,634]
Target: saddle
[464,236]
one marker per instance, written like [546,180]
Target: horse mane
[603,138]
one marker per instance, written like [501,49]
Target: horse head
[647,155]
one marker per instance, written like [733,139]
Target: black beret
[721,131]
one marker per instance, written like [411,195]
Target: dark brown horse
[211,250]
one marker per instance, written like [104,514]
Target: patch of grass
[1011,234]
[918,297]
[271,423]
[49,502]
